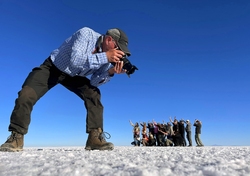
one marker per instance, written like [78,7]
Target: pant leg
[196,139]
[163,140]
[38,82]
[92,100]
[184,139]
[189,138]
[169,142]
[199,140]
[157,139]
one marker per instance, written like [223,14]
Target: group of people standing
[166,134]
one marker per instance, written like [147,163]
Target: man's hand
[114,55]
[117,68]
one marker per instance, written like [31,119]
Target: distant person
[151,128]
[151,140]
[198,125]
[85,53]
[165,140]
[156,133]
[177,139]
[170,134]
[169,129]
[136,133]
[189,132]
[161,135]
[175,125]
[169,142]
[182,131]
[144,134]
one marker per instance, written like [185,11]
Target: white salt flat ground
[126,161]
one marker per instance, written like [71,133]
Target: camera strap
[98,44]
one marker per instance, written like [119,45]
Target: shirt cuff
[102,57]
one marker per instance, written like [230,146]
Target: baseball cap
[121,39]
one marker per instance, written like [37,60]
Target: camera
[130,69]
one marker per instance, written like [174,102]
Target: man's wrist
[111,72]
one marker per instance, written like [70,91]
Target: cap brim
[124,48]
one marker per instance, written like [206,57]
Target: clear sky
[193,59]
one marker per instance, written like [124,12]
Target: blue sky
[193,59]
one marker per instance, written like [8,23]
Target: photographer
[85,53]
[197,125]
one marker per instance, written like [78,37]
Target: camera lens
[130,69]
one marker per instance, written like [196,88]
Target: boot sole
[10,149]
[98,148]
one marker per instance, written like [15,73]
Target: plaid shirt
[74,57]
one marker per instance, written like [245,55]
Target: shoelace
[103,136]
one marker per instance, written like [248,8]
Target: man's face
[108,44]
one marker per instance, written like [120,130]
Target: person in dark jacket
[161,135]
[177,139]
[151,128]
[175,124]
[182,132]
[198,125]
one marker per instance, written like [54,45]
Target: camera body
[130,69]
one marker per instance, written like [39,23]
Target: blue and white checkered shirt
[74,57]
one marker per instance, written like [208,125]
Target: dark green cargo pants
[42,79]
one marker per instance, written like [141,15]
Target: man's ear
[108,38]
[105,39]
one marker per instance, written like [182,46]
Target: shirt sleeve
[101,76]
[81,43]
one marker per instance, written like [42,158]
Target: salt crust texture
[126,161]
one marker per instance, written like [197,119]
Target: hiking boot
[14,143]
[96,141]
